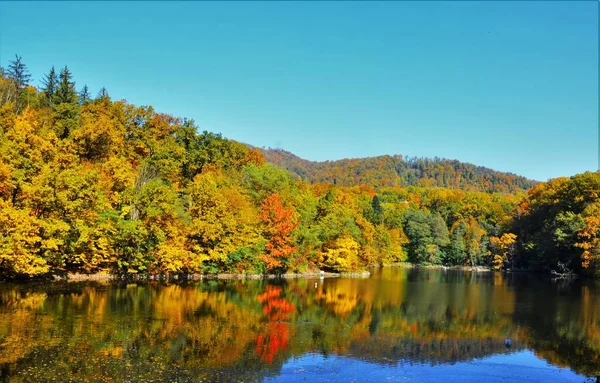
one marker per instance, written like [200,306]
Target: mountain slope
[397,170]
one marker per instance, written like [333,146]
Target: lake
[400,324]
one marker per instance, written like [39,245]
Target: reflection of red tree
[277,335]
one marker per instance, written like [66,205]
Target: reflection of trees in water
[431,317]
[17,335]
[144,333]
[247,329]
[564,326]
[276,336]
[394,350]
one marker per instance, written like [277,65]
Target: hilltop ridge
[397,170]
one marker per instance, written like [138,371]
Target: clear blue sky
[508,85]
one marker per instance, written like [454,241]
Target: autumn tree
[589,239]
[341,254]
[224,225]
[468,243]
[279,222]
[503,249]
[100,131]
[552,218]
[19,242]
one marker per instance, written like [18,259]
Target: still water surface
[404,325]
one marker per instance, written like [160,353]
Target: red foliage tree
[280,223]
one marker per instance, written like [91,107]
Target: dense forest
[90,184]
[399,171]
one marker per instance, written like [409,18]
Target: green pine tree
[65,91]
[103,94]
[18,72]
[377,210]
[20,76]
[50,82]
[84,95]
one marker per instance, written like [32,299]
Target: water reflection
[248,330]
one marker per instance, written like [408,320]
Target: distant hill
[397,170]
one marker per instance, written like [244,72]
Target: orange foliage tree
[280,223]
[589,239]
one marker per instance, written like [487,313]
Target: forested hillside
[400,171]
[89,184]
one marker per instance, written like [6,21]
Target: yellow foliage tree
[396,254]
[100,132]
[502,249]
[341,254]
[19,240]
[223,219]
[589,239]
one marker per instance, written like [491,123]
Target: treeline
[96,185]
[387,171]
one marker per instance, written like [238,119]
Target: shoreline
[407,265]
[107,277]
[78,277]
